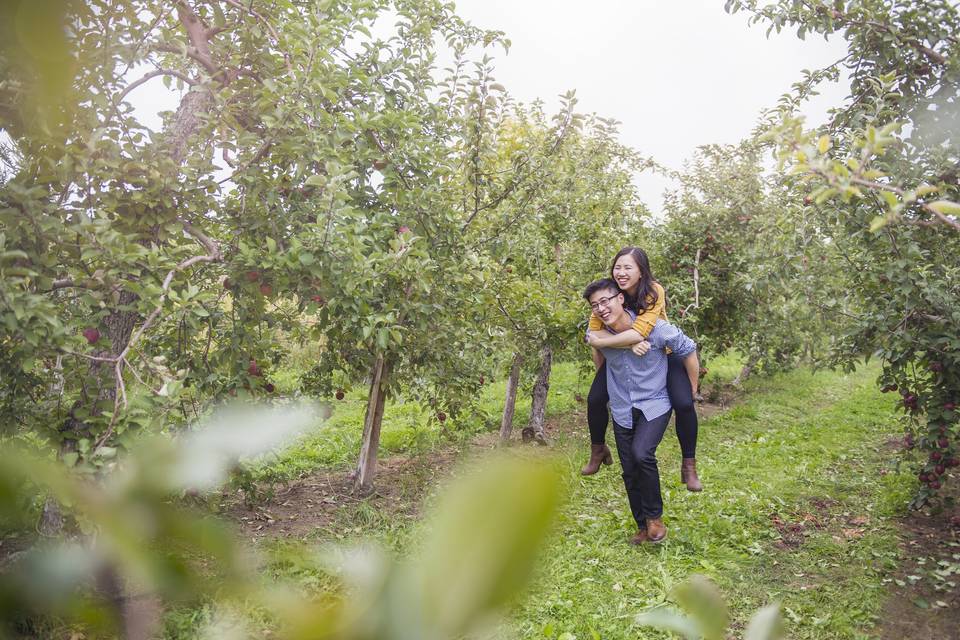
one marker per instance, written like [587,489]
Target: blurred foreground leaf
[479,553]
[708,616]
[139,531]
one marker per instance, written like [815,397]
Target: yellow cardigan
[645,321]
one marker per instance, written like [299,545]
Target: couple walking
[646,368]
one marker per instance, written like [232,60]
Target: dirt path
[924,600]
[315,505]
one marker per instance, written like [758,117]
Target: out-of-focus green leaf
[946,207]
[203,458]
[700,598]
[878,223]
[484,541]
[664,618]
[766,624]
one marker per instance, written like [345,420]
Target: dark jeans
[681,398]
[637,448]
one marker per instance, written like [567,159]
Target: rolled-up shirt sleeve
[665,334]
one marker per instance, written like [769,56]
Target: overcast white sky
[676,73]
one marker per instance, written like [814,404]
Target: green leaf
[700,598]
[878,223]
[823,144]
[663,618]
[766,624]
[502,528]
[203,458]
[946,207]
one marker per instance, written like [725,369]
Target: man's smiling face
[607,304]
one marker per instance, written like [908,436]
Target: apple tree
[882,177]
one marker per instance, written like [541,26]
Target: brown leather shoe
[688,474]
[639,537]
[599,454]
[656,530]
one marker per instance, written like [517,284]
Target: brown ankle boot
[656,530]
[688,474]
[639,537]
[599,454]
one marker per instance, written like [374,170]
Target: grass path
[798,507]
[802,499]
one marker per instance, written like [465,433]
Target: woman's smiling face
[627,273]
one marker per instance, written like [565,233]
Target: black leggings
[681,397]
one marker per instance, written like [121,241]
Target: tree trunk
[510,402]
[745,372]
[367,465]
[538,406]
[119,324]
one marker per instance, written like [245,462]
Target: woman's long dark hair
[646,295]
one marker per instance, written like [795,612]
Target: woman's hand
[595,340]
[641,348]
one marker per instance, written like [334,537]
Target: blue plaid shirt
[641,381]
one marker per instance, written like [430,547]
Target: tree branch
[249,9]
[900,192]
[154,74]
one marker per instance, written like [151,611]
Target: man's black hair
[600,285]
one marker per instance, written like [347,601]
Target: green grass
[803,449]
[800,506]
[408,427]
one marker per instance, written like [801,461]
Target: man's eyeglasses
[601,302]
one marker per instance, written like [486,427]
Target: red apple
[269,387]
[949,406]
[253,276]
[339,394]
[940,469]
[266,289]
[935,484]
[936,455]
[943,442]
[253,369]
[441,416]
[403,229]
[936,367]
[319,300]
[92,334]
